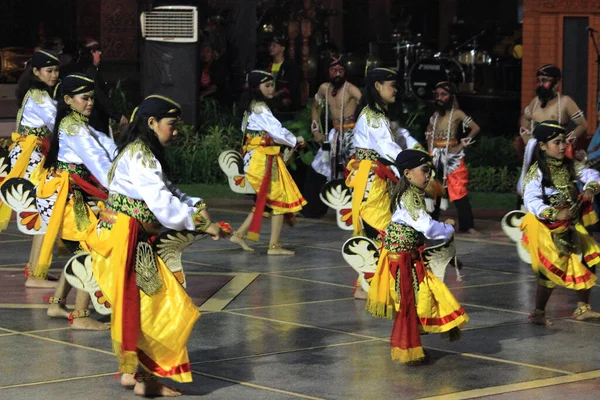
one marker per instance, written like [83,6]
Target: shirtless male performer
[447,151]
[548,105]
[339,99]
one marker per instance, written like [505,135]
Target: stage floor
[289,328]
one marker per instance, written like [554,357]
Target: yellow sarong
[370,203]
[166,318]
[566,270]
[28,144]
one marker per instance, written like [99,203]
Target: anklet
[580,310]
[55,300]
[78,314]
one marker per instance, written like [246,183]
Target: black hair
[84,58]
[249,95]
[401,187]
[371,98]
[27,81]
[542,160]
[62,110]
[138,129]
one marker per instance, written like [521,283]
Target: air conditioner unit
[176,24]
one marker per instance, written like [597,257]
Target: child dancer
[562,252]
[152,315]
[264,167]
[403,286]
[35,123]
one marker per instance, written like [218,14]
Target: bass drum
[426,73]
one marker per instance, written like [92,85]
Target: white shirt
[532,190]
[373,132]
[38,110]
[262,119]
[89,147]
[422,222]
[139,175]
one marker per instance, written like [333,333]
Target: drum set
[421,69]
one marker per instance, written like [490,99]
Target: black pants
[313,184]
[463,208]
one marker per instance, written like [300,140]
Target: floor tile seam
[13,264]
[290,304]
[501,325]
[211,265]
[257,386]
[310,269]
[79,346]
[30,306]
[494,308]
[503,360]
[15,234]
[212,250]
[273,353]
[493,270]
[323,248]
[517,387]
[492,284]
[305,325]
[15,241]
[486,241]
[308,280]
[75,378]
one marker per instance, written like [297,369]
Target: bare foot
[241,242]
[58,311]
[277,250]
[584,311]
[473,232]
[89,324]
[360,294]
[153,388]
[36,283]
[128,381]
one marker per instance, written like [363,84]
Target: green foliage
[492,179]
[300,126]
[193,157]
[492,151]
[414,119]
[119,98]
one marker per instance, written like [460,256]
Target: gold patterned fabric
[72,123]
[400,237]
[366,154]
[134,208]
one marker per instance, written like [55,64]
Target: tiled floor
[288,328]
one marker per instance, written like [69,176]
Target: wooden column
[306,30]
[336,22]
